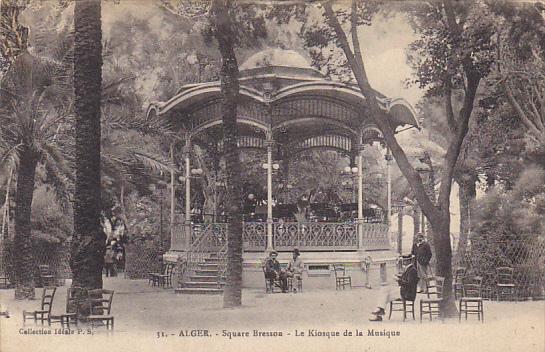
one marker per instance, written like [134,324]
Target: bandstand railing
[317,236]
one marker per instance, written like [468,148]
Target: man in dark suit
[422,251]
[274,272]
[407,290]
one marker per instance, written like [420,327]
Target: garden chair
[402,305]
[46,276]
[341,280]
[432,304]
[472,301]
[505,286]
[164,278]
[4,281]
[458,283]
[72,310]
[100,303]
[42,314]
[298,281]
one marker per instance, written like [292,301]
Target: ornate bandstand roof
[283,97]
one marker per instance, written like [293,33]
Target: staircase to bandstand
[203,265]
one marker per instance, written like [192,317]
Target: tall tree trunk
[437,214]
[88,243]
[416,221]
[223,31]
[23,260]
[467,193]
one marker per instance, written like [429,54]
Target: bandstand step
[208,266]
[202,284]
[204,278]
[199,291]
[206,272]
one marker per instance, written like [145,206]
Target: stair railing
[222,264]
[207,242]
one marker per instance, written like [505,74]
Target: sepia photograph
[272,175]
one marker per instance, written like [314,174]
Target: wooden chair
[341,280]
[71,312]
[458,283]
[505,285]
[471,301]
[432,304]
[4,281]
[48,294]
[298,279]
[401,305]
[164,278]
[100,303]
[46,276]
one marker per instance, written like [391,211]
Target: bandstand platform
[286,108]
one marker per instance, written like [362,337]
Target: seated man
[273,271]
[407,290]
[295,267]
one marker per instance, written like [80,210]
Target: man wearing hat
[407,290]
[274,272]
[295,267]
[422,251]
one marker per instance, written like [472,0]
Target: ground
[143,313]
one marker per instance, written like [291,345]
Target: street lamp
[398,206]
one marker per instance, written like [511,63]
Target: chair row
[97,303]
[471,302]
[505,283]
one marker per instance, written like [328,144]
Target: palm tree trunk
[88,243]
[223,25]
[23,261]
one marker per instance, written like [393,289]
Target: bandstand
[285,108]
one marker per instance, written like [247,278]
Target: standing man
[422,251]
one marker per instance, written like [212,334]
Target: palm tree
[29,126]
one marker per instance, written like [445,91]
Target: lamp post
[399,205]
[270,166]
[424,171]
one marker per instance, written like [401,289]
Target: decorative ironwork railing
[254,236]
[286,236]
[207,239]
[315,236]
[375,236]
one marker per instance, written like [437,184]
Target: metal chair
[42,314]
[458,284]
[505,285]
[432,304]
[295,282]
[72,310]
[341,280]
[472,301]
[100,305]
